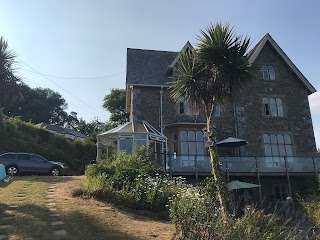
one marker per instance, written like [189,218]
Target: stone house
[271,113]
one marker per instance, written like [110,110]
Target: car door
[24,162]
[40,164]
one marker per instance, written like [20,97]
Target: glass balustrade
[202,164]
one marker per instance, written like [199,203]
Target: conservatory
[132,135]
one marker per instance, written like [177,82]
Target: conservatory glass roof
[132,128]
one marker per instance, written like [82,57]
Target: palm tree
[212,74]
[9,83]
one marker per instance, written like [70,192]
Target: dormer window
[268,72]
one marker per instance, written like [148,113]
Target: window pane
[126,145]
[280,139]
[199,136]
[184,136]
[275,151]
[265,100]
[175,147]
[287,139]
[265,73]
[217,111]
[266,138]
[273,138]
[192,148]
[282,151]
[267,149]
[175,136]
[184,148]
[289,150]
[272,74]
[279,107]
[25,157]
[269,161]
[191,136]
[200,148]
[273,107]
[181,107]
[266,105]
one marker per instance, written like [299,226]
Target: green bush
[19,136]
[197,216]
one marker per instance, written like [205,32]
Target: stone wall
[245,118]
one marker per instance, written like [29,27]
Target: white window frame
[268,72]
[273,107]
[277,147]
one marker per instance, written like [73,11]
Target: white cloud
[314,100]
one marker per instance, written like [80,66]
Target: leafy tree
[39,105]
[212,74]
[115,103]
[72,121]
[9,83]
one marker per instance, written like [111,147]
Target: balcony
[200,165]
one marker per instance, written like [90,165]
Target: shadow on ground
[34,222]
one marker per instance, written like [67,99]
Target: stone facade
[245,118]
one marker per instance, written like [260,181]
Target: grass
[83,218]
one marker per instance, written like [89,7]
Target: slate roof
[60,130]
[148,67]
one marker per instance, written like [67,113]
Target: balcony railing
[246,165]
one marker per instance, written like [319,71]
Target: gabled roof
[148,67]
[253,54]
[188,45]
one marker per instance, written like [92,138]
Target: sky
[78,48]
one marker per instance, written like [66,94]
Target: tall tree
[115,103]
[212,74]
[39,105]
[10,84]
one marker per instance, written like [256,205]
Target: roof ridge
[151,50]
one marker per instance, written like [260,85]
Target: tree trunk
[219,182]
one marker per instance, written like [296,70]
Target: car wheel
[12,170]
[55,171]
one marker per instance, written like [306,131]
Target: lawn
[41,207]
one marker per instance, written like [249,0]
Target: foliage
[211,74]
[115,103]
[312,207]
[18,136]
[10,84]
[39,105]
[125,168]
[198,216]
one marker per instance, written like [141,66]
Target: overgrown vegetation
[133,182]
[18,136]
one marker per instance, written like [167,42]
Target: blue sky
[85,42]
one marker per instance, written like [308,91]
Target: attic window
[268,72]
[188,51]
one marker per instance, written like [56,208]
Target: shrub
[19,136]
[197,216]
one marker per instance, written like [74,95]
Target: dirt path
[41,207]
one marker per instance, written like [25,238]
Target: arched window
[191,147]
[268,73]
[276,148]
[273,107]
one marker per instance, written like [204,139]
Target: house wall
[245,119]
[252,123]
